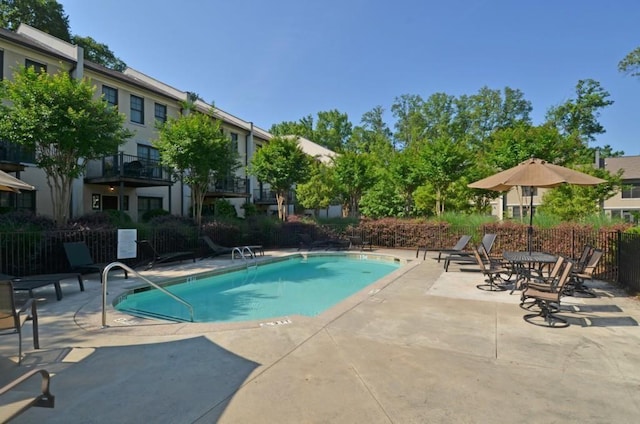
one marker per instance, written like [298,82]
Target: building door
[109,203]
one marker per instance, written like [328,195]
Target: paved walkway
[422,346]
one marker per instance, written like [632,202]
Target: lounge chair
[549,301]
[468,257]
[13,318]
[217,250]
[308,243]
[153,257]
[357,241]
[456,248]
[20,401]
[80,259]
[31,282]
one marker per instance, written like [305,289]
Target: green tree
[410,122]
[99,53]
[332,130]
[572,203]
[319,191]
[59,118]
[193,145]
[281,164]
[354,175]
[48,16]
[45,15]
[630,64]
[579,117]
[443,161]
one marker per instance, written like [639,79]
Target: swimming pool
[299,285]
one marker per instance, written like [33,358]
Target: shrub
[23,220]
[150,214]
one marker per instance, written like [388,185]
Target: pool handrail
[105,275]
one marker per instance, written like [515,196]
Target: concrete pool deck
[421,347]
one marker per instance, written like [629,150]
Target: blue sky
[280,60]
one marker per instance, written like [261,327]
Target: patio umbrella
[535,173]
[10,183]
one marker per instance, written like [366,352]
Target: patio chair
[153,257]
[464,256]
[32,282]
[356,241]
[549,301]
[80,259]
[13,318]
[490,271]
[20,401]
[543,283]
[576,283]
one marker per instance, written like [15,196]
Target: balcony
[229,187]
[128,170]
[268,197]
[14,156]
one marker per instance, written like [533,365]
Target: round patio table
[524,263]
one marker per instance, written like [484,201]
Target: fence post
[618,247]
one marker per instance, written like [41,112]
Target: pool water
[296,286]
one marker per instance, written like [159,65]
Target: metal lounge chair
[32,282]
[217,250]
[153,257]
[357,241]
[549,301]
[464,256]
[13,318]
[80,259]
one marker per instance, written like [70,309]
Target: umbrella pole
[530,229]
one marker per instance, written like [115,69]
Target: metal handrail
[105,274]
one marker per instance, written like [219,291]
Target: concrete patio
[421,346]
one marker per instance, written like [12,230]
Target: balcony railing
[127,167]
[268,197]
[235,185]
[15,153]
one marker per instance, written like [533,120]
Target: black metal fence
[28,253]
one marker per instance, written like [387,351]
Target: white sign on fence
[127,247]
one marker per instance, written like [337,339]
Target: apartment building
[131,180]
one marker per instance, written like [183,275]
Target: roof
[323,154]
[45,43]
[629,164]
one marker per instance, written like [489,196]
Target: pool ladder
[105,275]
[249,255]
[253,265]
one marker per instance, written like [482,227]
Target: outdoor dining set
[541,277]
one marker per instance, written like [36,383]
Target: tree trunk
[280,200]
[60,188]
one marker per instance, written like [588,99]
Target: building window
[150,158]
[110,95]
[631,191]
[137,109]
[160,112]
[148,204]
[38,67]
[1,65]
[26,200]
[234,142]
[517,213]
[528,191]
